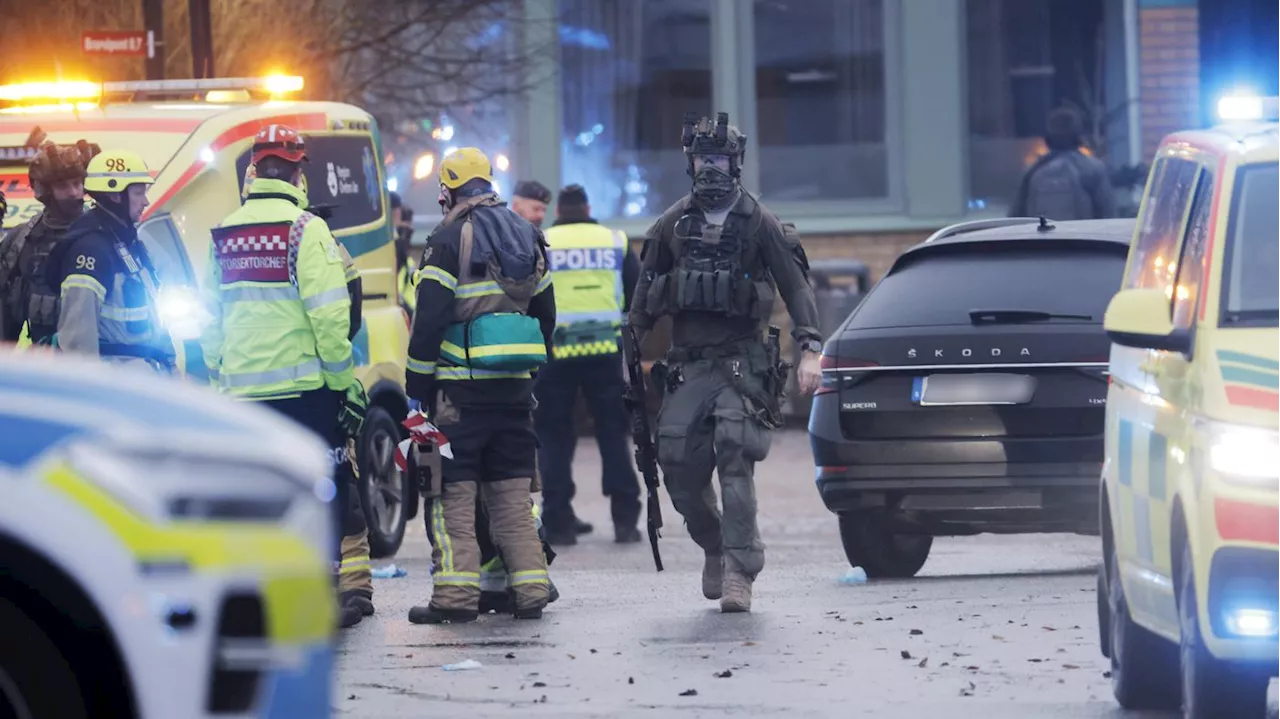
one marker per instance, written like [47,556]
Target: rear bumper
[960,486]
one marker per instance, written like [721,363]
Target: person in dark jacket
[596,272]
[485,318]
[1065,184]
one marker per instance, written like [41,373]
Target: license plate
[966,389]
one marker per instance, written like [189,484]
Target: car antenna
[1045,225]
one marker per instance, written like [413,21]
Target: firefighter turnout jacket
[277,290]
[594,271]
[482,261]
[107,287]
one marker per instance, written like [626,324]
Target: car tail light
[831,380]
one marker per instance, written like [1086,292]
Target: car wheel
[384,489]
[882,554]
[35,680]
[1143,666]
[1211,688]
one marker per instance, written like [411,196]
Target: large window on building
[1026,57]
[629,71]
[820,98]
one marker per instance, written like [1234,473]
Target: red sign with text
[114,42]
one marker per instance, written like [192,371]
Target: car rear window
[941,287]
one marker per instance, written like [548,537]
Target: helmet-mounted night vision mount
[700,137]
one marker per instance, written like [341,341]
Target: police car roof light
[1239,107]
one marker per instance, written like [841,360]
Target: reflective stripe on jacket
[586,261]
[277,289]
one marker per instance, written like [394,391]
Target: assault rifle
[646,454]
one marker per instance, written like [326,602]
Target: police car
[165,552]
[1187,595]
[196,137]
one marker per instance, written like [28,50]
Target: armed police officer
[485,318]
[714,261]
[280,289]
[56,176]
[107,282]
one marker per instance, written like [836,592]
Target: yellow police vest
[586,270]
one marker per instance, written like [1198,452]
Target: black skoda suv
[967,392]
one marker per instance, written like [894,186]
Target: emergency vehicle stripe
[1245,359]
[284,374]
[460,373]
[543,283]
[259,294]
[1241,375]
[1157,459]
[335,367]
[328,297]
[85,282]
[478,289]
[1142,527]
[532,576]
[492,350]
[431,272]
[1125,467]
[421,367]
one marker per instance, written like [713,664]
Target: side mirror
[1142,318]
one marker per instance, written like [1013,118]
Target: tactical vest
[586,264]
[717,270]
[24,282]
[491,334]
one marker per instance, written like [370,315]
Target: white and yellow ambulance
[163,552]
[1188,593]
[196,136]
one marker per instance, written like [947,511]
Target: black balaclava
[713,188]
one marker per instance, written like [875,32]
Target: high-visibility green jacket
[586,262]
[277,290]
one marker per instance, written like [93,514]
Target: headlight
[1245,455]
[181,312]
[169,486]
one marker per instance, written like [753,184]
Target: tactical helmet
[55,163]
[116,170]
[464,165]
[700,137]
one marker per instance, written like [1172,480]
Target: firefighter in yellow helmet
[106,279]
[281,334]
[485,317]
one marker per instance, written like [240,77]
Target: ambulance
[195,136]
[1188,590]
[163,552]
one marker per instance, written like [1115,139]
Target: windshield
[1251,292]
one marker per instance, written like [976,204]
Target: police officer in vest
[56,176]
[281,332]
[486,312]
[107,281]
[714,261]
[594,272]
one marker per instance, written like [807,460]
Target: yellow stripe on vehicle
[297,586]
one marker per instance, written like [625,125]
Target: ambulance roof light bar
[1246,106]
[80,90]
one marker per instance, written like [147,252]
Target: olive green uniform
[717,275]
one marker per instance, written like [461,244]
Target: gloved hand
[355,404]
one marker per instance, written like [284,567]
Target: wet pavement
[995,627]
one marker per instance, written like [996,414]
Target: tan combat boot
[737,593]
[712,576]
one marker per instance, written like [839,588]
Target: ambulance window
[164,245]
[1251,285]
[342,179]
[1155,256]
[1186,291]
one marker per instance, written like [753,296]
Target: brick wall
[1169,70]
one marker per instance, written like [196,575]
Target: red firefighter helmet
[279,141]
